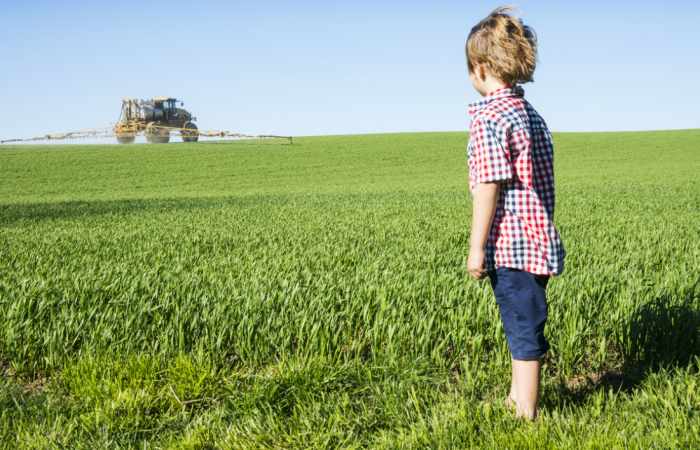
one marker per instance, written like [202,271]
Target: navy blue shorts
[522,302]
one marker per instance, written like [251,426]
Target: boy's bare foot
[510,403]
[527,415]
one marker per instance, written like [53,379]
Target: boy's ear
[481,72]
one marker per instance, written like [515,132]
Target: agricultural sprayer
[157,119]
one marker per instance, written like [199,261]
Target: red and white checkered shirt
[510,142]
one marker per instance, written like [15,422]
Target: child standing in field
[513,238]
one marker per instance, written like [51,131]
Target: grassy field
[249,295]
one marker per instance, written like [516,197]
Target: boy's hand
[475,263]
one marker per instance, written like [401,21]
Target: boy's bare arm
[485,197]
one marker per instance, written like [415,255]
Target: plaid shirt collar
[509,91]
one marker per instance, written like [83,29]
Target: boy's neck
[493,84]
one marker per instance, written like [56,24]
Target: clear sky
[327,67]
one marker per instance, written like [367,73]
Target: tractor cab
[167,105]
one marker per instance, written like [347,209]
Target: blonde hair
[505,44]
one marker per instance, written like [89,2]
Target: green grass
[247,295]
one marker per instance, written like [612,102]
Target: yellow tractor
[157,118]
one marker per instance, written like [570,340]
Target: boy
[513,238]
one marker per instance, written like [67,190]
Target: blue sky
[325,67]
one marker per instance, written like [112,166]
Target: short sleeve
[489,155]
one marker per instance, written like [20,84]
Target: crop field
[315,295]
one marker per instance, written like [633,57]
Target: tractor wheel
[126,138]
[187,135]
[156,135]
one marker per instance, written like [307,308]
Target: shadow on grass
[22,213]
[66,210]
[662,334]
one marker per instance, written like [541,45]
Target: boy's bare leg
[525,387]
[510,399]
